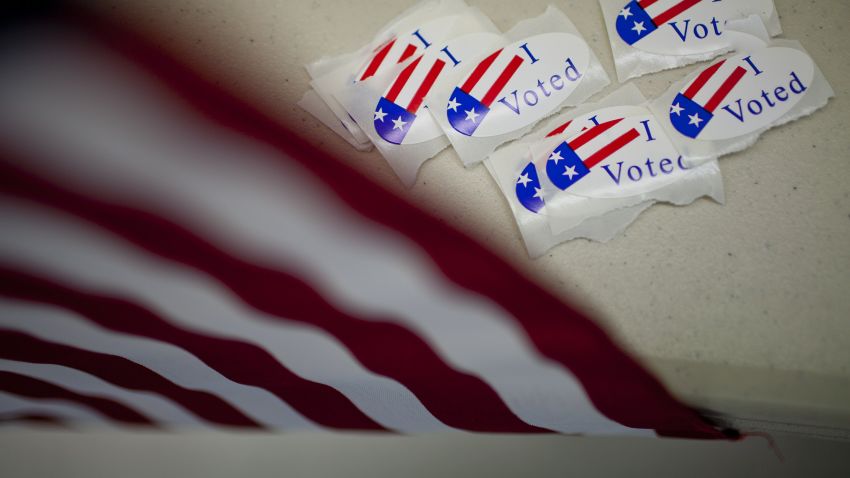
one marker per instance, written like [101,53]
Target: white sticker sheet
[647,36]
[399,42]
[542,65]
[389,107]
[724,107]
[591,171]
[313,104]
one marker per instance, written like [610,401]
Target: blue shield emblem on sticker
[564,167]
[465,111]
[573,160]
[639,18]
[693,109]
[634,23]
[688,117]
[529,193]
[392,120]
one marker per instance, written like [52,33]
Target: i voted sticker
[400,116]
[401,48]
[518,85]
[418,31]
[682,27]
[615,152]
[743,94]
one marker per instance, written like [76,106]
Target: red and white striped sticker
[624,149]
[742,94]
[517,85]
[679,27]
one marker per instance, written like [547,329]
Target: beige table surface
[742,308]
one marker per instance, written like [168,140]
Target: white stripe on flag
[61,409]
[54,324]
[63,248]
[161,410]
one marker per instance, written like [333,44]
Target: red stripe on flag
[646,3]
[479,71]
[426,85]
[673,11]
[592,133]
[702,79]
[559,129]
[502,80]
[377,60]
[407,53]
[256,367]
[725,89]
[611,148]
[121,372]
[25,386]
[401,80]
[376,343]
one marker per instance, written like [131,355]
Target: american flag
[172,257]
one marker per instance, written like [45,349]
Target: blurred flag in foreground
[170,257]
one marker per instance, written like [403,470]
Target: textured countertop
[742,308]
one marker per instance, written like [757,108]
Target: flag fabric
[171,257]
